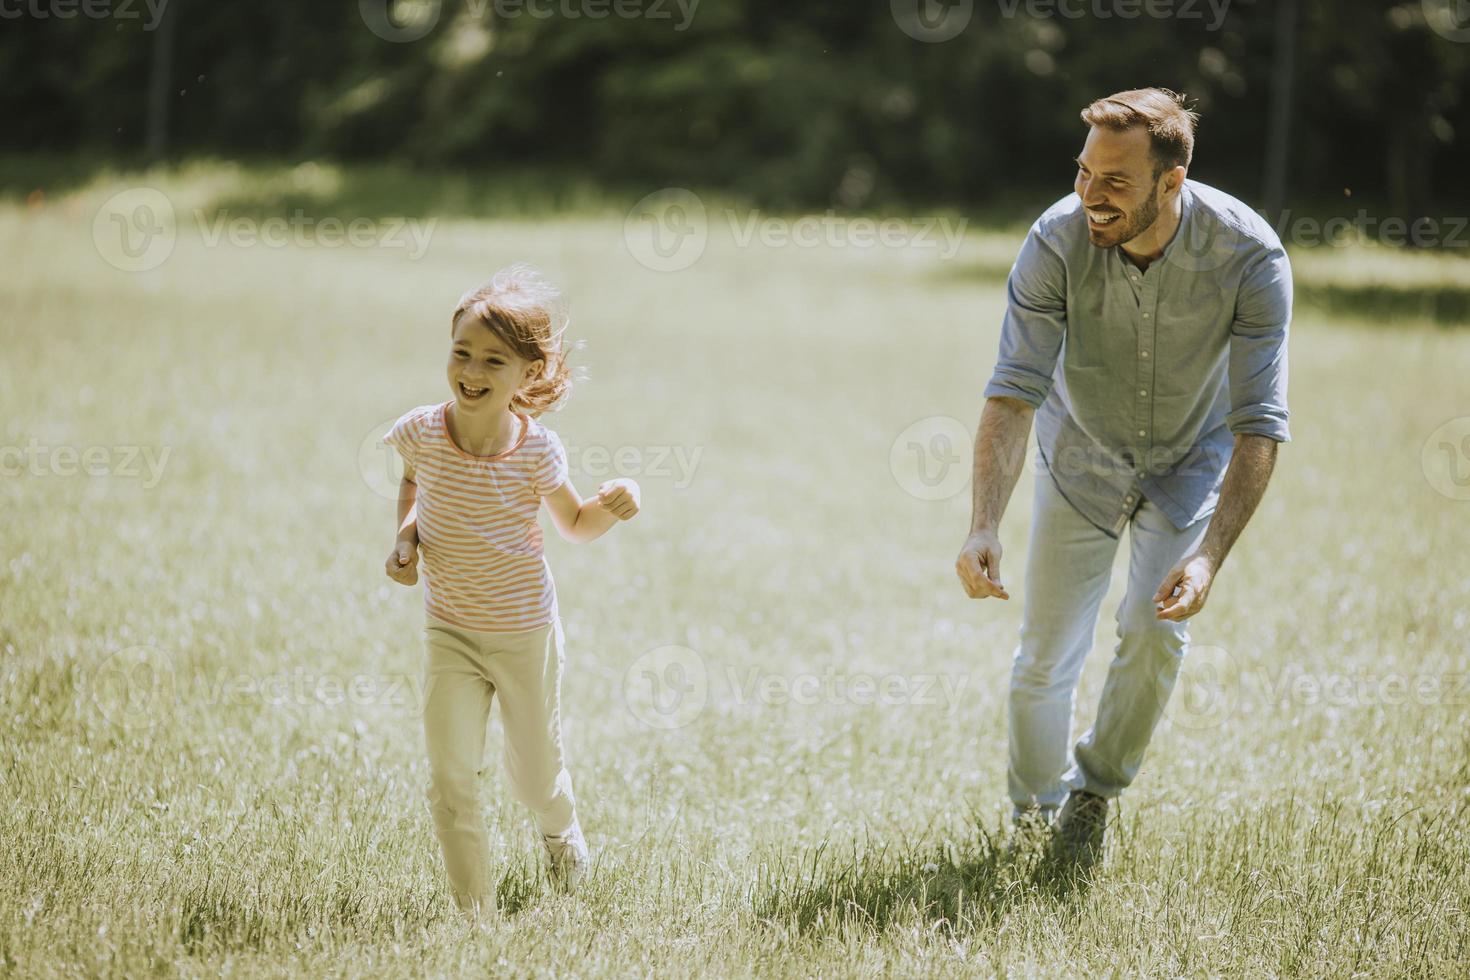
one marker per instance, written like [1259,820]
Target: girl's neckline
[520,439]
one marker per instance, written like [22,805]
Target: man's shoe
[1082,828]
[1031,831]
[567,858]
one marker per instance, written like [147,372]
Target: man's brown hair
[1170,123]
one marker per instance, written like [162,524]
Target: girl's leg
[457,695]
[526,670]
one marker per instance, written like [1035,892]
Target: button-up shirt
[1141,379]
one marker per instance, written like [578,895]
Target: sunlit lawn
[253,802]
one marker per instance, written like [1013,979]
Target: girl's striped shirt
[481,544]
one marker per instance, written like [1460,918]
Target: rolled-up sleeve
[1035,323]
[1258,349]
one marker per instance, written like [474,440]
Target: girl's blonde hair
[530,316]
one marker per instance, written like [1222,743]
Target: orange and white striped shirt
[482,557]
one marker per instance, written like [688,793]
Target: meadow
[785,720]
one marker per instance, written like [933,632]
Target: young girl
[476,469]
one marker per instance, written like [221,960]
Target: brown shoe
[1031,831]
[1082,828]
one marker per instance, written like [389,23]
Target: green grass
[197,827]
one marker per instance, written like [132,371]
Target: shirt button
[1145,316]
[1142,433]
[1128,499]
[1143,392]
[1143,353]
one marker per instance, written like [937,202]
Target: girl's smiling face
[484,373]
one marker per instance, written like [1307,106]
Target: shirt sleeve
[1258,349]
[551,470]
[406,436]
[1035,323]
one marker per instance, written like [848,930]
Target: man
[1146,329]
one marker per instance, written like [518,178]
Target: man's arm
[1030,345]
[1244,485]
[1258,418]
[1000,449]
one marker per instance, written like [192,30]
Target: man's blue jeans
[1067,575]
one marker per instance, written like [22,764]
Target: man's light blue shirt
[1141,380]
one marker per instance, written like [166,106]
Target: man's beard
[1127,226]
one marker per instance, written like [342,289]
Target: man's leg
[1146,660]
[1067,575]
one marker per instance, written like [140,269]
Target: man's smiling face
[1118,186]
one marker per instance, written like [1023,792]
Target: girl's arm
[408,513]
[402,564]
[580,521]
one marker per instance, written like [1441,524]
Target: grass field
[211,758]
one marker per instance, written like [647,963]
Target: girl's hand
[619,498]
[403,564]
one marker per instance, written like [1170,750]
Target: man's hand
[979,566]
[1191,580]
[619,498]
[403,564]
